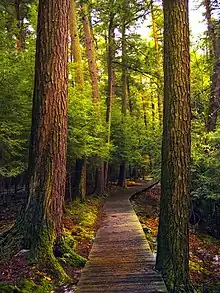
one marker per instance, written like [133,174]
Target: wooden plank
[120,259]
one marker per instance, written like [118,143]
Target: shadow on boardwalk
[120,259]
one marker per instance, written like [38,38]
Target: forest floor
[204,249]
[81,221]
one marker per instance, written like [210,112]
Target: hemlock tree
[39,227]
[80,166]
[214,36]
[93,70]
[173,251]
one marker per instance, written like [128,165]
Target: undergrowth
[81,221]
[204,249]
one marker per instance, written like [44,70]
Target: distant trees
[173,251]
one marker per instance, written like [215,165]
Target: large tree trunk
[47,154]
[214,101]
[173,250]
[40,224]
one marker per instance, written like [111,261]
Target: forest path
[120,259]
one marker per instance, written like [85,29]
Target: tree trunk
[109,99]
[144,111]
[75,44]
[124,72]
[173,243]
[129,96]
[40,223]
[90,52]
[80,174]
[68,193]
[80,179]
[20,35]
[122,175]
[152,111]
[156,42]
[93,70]
[47,154]
[100,178]
[122,172]
[214,101]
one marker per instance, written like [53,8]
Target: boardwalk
[120,259]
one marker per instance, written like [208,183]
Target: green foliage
[205,186]
[86,128]
[16,88]
[6,288]
[27,286]
[84,216]
[206,165]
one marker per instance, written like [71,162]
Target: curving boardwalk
[120,259]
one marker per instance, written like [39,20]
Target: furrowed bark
[173,243]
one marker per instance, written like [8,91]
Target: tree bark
[47,153]
[173,247]
[40,224]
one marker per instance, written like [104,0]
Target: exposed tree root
[43,253]
[67,255]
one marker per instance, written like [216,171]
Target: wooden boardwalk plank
[120,259]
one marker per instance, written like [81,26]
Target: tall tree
[93,70]
[173,250]
[75,44]
[214,36]
[122,170]
[110,91]
[90,52]
[40,225]
[80,167]
[158,57]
